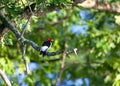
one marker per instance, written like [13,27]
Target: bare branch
[75,51]
[29,7]
[24,59]
[24,28]
[26,41]
[29,18]
[103,6]
[62,66]
[31,43]
[5,79]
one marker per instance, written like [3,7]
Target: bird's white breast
[44,48]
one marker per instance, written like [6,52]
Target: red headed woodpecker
[45,46]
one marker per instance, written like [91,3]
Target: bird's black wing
[46,44]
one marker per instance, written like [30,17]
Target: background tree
[86,43]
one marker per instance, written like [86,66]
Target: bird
[45,46]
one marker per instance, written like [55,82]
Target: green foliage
[99,49]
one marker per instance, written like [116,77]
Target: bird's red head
[49,40]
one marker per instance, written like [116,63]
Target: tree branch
[10,27]
[29,18]
[62,66]
[5,79]
[94,4]
[31,43]
[24,59]
[26,41]
[103,6]
[3,33]
[24,28]
[29,7]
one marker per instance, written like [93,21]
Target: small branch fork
[24,44]
[29,18]
[24,28]
[62,66]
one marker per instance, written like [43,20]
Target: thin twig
[5,79]
[24,28]
[24,59]
[62,67]
[29,7]
[29,18]
[61,70]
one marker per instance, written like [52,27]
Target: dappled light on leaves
[85,50]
